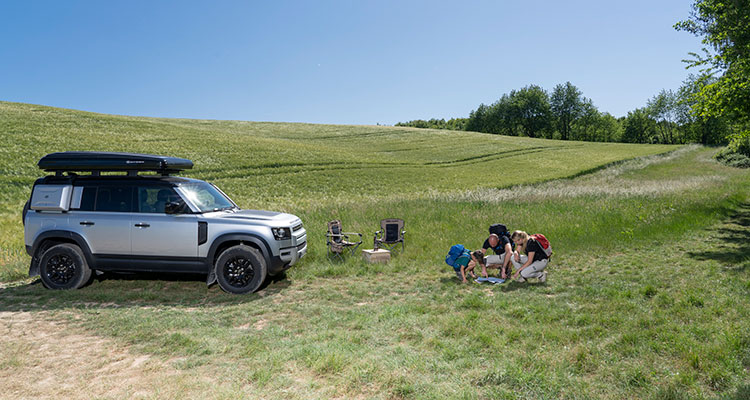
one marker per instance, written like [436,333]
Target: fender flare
[58,234]
[265,250]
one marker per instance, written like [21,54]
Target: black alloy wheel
[240,269]
[61,269]
[63,266]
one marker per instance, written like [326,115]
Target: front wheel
[63,266]
[240,269]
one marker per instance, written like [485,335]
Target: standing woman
[532,264]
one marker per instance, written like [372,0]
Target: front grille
[301,245]
[296,228]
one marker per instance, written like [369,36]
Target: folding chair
[391,233]
[338,241]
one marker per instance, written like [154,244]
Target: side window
[88,198]
[83,198]
[152,199]
[114,198]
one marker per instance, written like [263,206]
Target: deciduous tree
[638,127]
[663,109]
[566,106]
[531,108]
[698,125]
[725,28]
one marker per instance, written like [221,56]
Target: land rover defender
[125,212]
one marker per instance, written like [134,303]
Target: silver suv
[75,224]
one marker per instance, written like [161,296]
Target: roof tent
[103,161]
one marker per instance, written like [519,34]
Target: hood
[260,217]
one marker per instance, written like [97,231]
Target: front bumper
[289,256]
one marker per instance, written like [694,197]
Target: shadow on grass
[515,285]
[734,253]
[169,277]
[508,286]
[133,290]
[742,393]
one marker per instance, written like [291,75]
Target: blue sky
[343,62]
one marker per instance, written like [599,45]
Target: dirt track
[39,359]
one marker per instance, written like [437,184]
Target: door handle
[86,223]
[142,225]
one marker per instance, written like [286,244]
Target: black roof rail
[97,162]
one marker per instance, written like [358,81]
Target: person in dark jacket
[503,249]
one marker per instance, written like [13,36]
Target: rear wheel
[63,266]
[240,269]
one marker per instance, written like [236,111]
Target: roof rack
[97,162]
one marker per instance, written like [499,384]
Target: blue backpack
[456,251]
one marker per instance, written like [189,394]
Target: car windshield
[206,197]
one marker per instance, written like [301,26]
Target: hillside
[289,167]
[648,294]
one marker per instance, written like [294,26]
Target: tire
[240,269]
[63,267]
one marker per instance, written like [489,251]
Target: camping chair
[391,233]
[338,241]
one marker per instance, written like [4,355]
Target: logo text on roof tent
[133,162]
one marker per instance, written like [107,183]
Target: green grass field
[648,295]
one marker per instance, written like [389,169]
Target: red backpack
[544,243]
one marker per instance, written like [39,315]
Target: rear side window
[88,198]
[114,198]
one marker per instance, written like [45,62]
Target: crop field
[648,294]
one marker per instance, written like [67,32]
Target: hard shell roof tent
[97,162]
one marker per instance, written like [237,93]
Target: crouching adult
[503,249]
[533,263]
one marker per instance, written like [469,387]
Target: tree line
[566,114]
[712,107]
[455,124]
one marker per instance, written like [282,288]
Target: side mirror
[172,208]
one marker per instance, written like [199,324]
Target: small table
[379,255]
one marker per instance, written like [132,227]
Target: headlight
[281,233]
